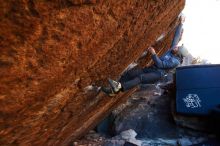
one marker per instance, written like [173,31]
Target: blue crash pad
[197,89]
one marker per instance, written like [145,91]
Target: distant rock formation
[51,51]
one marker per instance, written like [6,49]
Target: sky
[202,29]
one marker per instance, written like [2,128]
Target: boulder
[125,138]
[149,115]
[53,52]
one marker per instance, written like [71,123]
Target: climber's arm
[163,64]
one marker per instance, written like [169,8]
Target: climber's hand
[182,19]
[151,50]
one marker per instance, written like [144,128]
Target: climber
[148,75]
[169,61]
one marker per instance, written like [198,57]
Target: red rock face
[52,50]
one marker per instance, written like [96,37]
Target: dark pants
[139,76]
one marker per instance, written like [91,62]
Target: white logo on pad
[192,101]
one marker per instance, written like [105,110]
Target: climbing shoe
[108,90]
[116,86]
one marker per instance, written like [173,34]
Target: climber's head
[181,51]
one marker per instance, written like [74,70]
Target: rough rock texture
[51,51]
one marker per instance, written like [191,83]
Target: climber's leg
[131,74]
[145,78]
